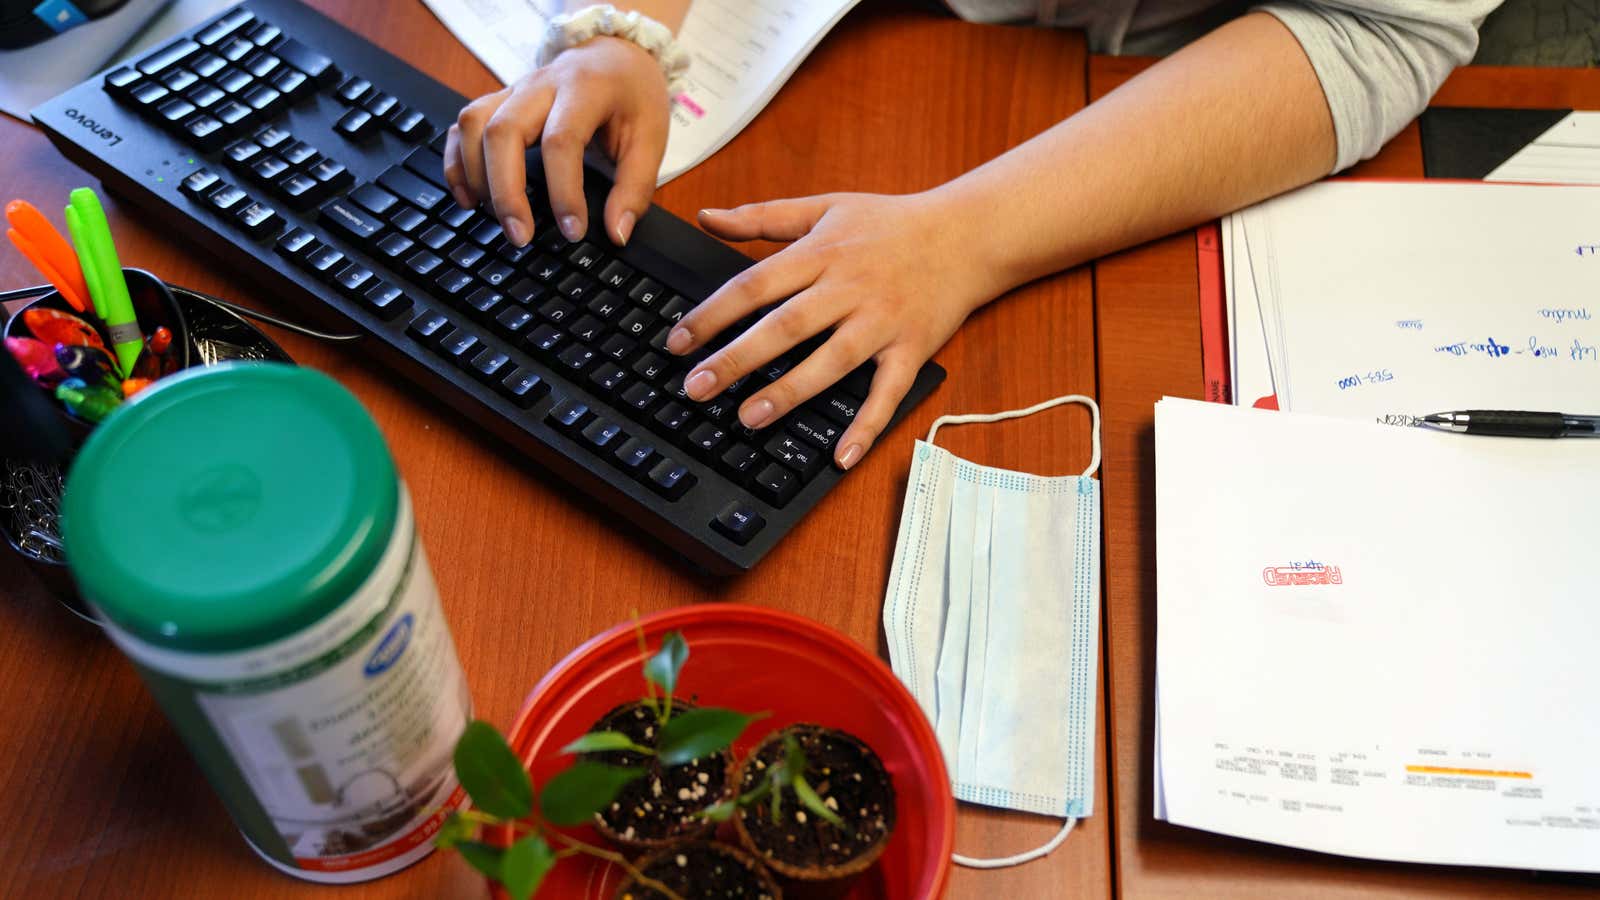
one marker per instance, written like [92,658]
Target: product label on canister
[343,732]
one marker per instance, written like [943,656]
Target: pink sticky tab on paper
[688,103]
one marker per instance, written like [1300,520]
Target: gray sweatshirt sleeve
[1380,60]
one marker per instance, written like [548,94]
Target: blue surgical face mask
[993,622]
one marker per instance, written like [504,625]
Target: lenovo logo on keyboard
[101,131]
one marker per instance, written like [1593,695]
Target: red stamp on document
[1299,574]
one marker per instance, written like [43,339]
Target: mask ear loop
[1007,861]
[1094,464]
[1094,412]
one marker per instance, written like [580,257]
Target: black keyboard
[308,160]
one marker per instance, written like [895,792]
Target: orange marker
[48,251]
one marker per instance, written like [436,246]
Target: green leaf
[794,758]
[605,740]
[802,789]
[721,812]
[453,830]
[663,668]
[524,866]
[701,732]
[491,773]
[575,795]
[483,857]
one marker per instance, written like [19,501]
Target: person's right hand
[608,87]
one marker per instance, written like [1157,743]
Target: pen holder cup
[154,306]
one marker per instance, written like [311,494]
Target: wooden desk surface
[1149,347]
[103,797]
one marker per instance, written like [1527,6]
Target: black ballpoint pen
[1513,423]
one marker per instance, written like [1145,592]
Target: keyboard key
[350,220]
[260,220]
[816,429]
[227,198]
[466,256]
[523,387]
[545,338]
[292,83]
[452,284]
[776,485]
[408,187]
[148,95]
[576,357]
[545,269]
[436,237]
[388,301]
[168,57]
[233,81]
[513,320]
[615,274]
[331,175]
[394,246]
[672,418]
[617,347]
[555,310]
[174,111]
[271,137]
[608,377]
[205,95]
[300,153]
[423,263]
[740,461]
[859,382]
[205,133]
[263,99]
[425,162]
[526,291]
[207,64]
[670,479]
[242,151]
[458,346]
[606,305]
[776,369]
[234,116]
[296,242]
[489,364]
[407,123]
[738,522]
[380,105]
[320,68]
[200,183]
[585,256]
[796,454]
[587,328]
[429,327]
[224,27]
[707,437]
[265,34]
[482,301]
[675,308]
[719,409]
[456,218]
[645,293]
[575,286]
[636,323]
[651,368]
[839,407]
[634,456]
[407,219]
[485,233]
[496,273]
[261,64]
[236,49]
[640,397]
[354,90]
[179,79]
[568,414]
[603,434]
[353,279]
[121,81]
[324,260]
[513,254]
[356,124]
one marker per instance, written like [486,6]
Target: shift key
[350,220]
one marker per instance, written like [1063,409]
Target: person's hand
[889,274]
[607,86]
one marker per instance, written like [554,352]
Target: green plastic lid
[228,506]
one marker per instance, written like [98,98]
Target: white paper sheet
[1569,153]
[1252,370]
[1396,300]
[1436,703]
[742,52]
[32,75]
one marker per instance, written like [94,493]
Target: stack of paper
[1392,300]
[1377,641]
[741,53]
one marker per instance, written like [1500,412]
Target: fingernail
[463,199]
[849,456]
[679,340]
[571,228]
[516,231]
[756,414]
[624,227]
[700,384]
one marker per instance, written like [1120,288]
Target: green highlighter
[102,271]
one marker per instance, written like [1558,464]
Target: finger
[768,281]
[455,175]
[469,133]
[506,138]
[842,352]
[774,220]
[637,167]
[890,384]
[800,317]
[567,131]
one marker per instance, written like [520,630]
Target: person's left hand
[891,275]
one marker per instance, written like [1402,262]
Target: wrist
[574,29]
[961,231]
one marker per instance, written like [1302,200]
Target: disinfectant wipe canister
[242,533]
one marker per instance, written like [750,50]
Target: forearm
[1234,118]
[668,12]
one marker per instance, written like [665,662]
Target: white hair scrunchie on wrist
[568,30]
